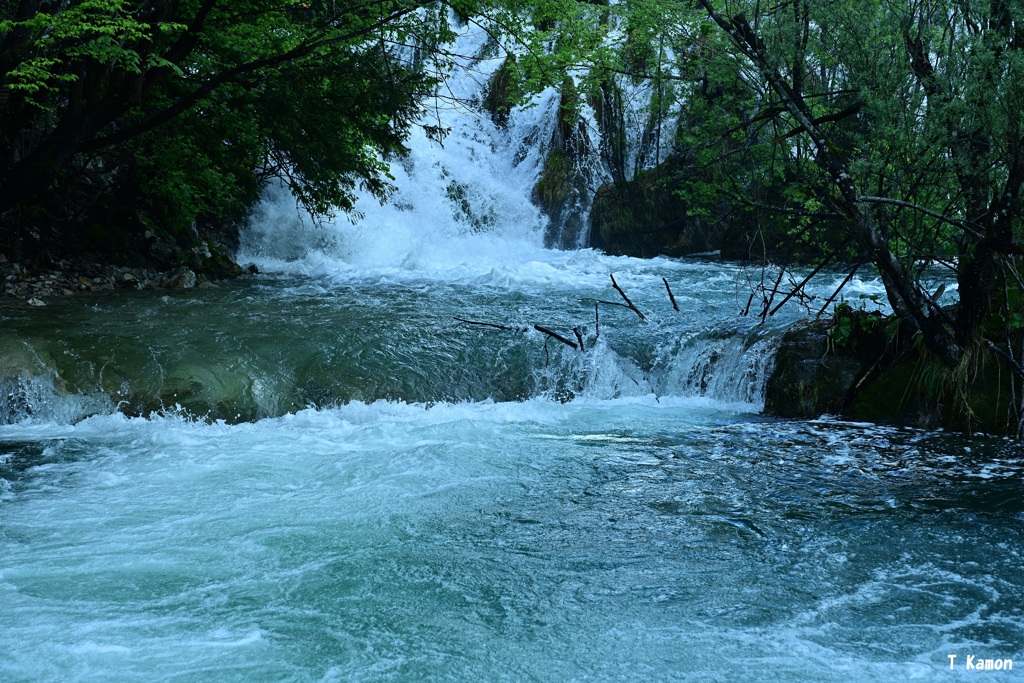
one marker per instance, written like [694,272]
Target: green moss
[500,97]
[556,179]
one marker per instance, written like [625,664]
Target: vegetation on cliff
[867,135]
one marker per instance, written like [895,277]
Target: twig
[463,321]
[607,303]
[750,300]
[849,277]
[817,269]
[555,335]
[769,299]
[670,296]
[579,337]
[629,304]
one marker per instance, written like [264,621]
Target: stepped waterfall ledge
[521,421]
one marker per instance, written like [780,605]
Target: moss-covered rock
[499,99]
[563,190]
[645,218]
[858,366]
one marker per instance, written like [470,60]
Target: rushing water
[320,475]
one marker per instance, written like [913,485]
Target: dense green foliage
[883,133]
[119,117]
[910,112]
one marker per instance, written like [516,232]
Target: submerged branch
[463,321]
[555,335]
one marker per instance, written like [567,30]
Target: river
[319,474]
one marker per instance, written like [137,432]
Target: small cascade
[364,306]
[39,398]
[727,367]
[460,202]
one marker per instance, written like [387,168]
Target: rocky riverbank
[35,284]
[855,367]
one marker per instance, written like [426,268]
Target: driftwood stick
[671,297]
[849,277]
[555,335]
[750,300]
[463,321]
[597,322]
[629,304]
[579,337]
[606,303]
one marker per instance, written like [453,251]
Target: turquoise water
[324,479]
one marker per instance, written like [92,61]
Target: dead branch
[824,262]
[629,304]
[555,335]
[579,337]
[671,297]
[1014,365]
[463,321]
[768,299]
[607,303]
[842,284]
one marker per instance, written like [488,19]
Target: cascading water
[318,474]
[463,216]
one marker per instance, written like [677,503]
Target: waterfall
[462,204]
[361,308]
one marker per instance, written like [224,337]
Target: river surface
[327,478]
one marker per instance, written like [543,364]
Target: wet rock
[645,218]
[808,379]
[183,278]
[35,302]
[128,280]
[867,373]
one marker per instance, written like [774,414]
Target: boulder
[183,278]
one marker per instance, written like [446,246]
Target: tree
[178,110]
[942,150]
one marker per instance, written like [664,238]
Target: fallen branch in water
[606,303]
[551,334]
[671,297]
[555,335]
[629,304]
[463,321]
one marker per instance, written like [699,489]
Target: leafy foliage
[179,112]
